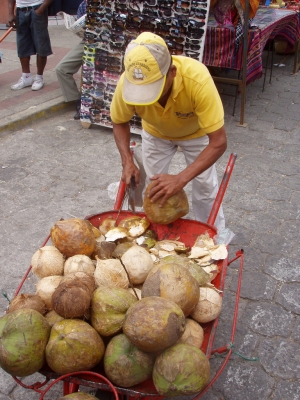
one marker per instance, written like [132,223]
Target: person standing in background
[30,17]
[68,66]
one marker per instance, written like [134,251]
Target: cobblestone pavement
[56,169]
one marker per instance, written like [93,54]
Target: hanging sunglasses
[89,49]
[192,54]
[192,24]
[178,39]
[195,34]
[166,11]
[197,3]
[192,41]
[192,46]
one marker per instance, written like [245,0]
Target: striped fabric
[220,41]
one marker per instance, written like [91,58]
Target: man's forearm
[206,158]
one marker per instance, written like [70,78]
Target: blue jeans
[32,33]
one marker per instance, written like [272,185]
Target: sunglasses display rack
[111,25]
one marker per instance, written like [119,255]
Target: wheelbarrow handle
[6,34]
[222,189]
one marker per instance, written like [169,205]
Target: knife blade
[131,198]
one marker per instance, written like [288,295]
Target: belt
[25,9]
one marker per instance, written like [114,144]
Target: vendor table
[221,49]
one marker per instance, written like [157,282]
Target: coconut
[107,224]
[135,225]
[138,263]
[193,333]
[52,317]
[77,263]
[181,369]
[208,307]
[154,323]
[110,273]
[108,308]
[28,300]
[82,279]
[121,248]
[45,288]
[201,276]
[24,335]
[175,207]
[73,236]
[136,292]
[71,299]
[173,282]
[46,261]
[79,396]
[103,249]
[124,364]
[74,345]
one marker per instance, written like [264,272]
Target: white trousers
[157,156]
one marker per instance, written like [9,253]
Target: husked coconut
[208,307]
[193,333]
[71,299]
[110,273]
[180,370]
[77,263]
[124,364]
[45,288]
[28,300]
[82,279]
[46,261]
[108,308]
[138,263]
[174,282]
[176,207]
[74,345]
[73,236]
[154,323]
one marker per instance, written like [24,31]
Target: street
[53,168]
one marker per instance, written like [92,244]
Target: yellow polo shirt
[193,109]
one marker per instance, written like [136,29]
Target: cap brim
[143,95]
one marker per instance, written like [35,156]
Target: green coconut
[24,334]
[154,323]
[74,345]
[108,308]
[173,282]
[180,370]
[124,364]
[78,396]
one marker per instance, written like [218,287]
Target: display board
[110,26]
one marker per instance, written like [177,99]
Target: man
[31,21]
[68,66]
[179,106]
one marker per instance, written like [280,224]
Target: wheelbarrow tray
[186,231]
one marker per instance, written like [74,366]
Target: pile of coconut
[116,294]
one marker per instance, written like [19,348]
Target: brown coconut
[152,324]
[73,236]
[28,300]
[176,207]
[82,279]
[174,282]
[71,299]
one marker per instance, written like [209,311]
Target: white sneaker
[37,84]
[22,83]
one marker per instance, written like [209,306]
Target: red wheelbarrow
[188,231]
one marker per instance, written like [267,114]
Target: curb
[26,117]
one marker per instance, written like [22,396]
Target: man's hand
[164,186]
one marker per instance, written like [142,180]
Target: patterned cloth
[81,9]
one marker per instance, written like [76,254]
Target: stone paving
[55,169]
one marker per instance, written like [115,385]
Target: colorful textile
[267,24]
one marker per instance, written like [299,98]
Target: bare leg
[25,64]
[40,64]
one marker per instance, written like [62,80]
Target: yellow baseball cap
[146,61]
